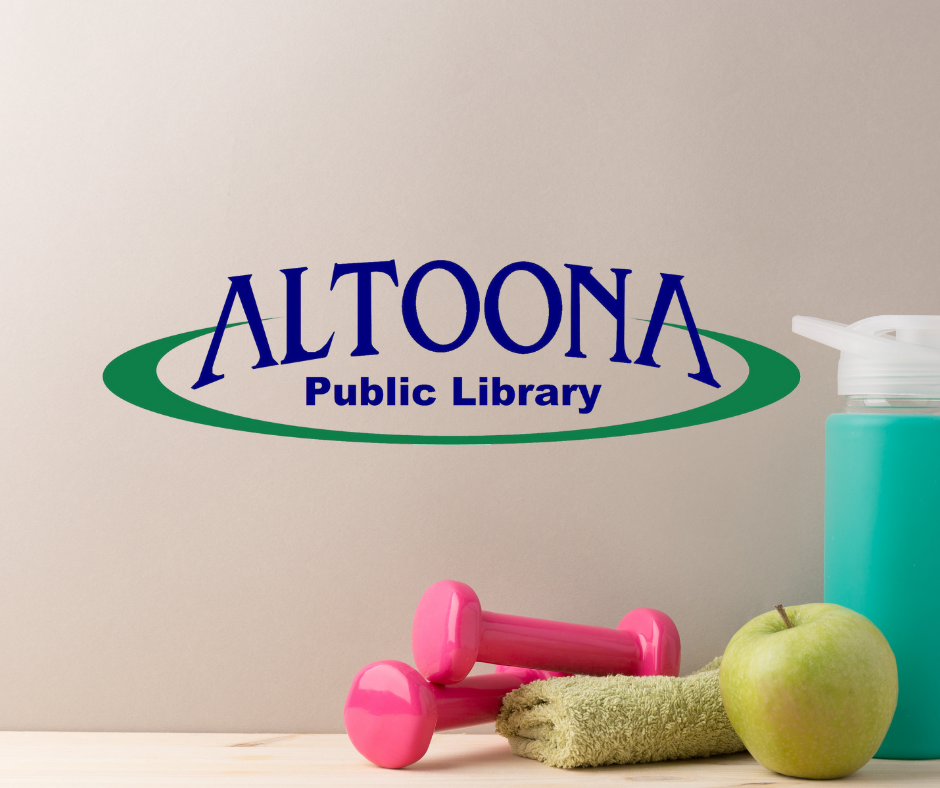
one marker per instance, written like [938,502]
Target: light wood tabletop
[273,760]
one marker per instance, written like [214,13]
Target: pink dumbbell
[391,711]
[451,632]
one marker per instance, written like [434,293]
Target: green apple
[810,690]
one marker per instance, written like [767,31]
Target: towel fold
[597,721]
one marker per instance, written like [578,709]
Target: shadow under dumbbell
[442,754]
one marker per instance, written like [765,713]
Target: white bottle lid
[877,365]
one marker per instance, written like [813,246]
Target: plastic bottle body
[882,547]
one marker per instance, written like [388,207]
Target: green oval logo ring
[132,376]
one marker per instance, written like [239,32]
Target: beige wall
[158,575]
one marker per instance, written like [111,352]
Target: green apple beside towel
[598,721]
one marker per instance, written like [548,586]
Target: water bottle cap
[875,364]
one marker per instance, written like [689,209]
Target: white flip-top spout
[877,365]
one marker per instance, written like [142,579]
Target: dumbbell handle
[553,645]
[531,674]
[473,701]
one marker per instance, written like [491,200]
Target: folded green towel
[596,721]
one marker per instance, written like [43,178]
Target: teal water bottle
[882,524]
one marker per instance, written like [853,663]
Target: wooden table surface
[225,759]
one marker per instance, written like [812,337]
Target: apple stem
[783,613]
